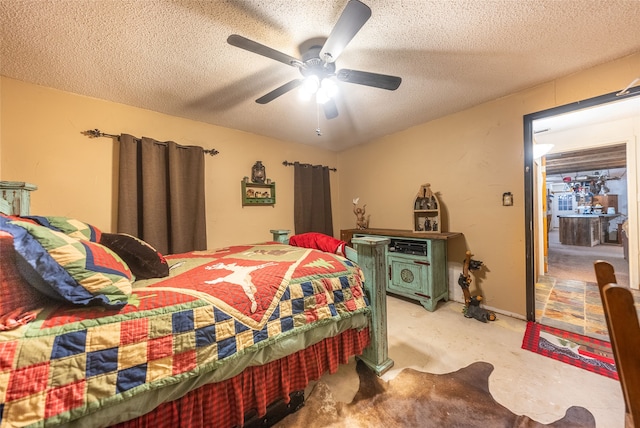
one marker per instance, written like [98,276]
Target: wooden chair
[605,274]
[624,333]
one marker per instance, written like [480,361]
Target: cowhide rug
[417,399]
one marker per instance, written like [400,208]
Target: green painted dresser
[416,263]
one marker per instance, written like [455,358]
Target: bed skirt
[224,404]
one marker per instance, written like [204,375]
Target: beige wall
[41,143]
[470,158]
[1,80]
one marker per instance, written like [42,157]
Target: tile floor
[523,381]
[570,305]
[573,305]
[567,297]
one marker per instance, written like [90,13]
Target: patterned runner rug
[581,351]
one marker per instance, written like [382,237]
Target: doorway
[595,138]
[587,207]
[587,214]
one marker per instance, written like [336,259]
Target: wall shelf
[426,211]
[256,194]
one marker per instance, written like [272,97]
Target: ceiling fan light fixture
[330,87]
[304,96]
[310,86]
[322,96]
[327,91]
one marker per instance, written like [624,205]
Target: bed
[206,338]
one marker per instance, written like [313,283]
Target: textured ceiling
[172,56]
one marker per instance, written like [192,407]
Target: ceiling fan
[317,65]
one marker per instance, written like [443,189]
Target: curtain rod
[285,163]
[95,133]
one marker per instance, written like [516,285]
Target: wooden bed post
[372,259]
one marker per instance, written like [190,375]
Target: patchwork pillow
[62,267]
[143,260]
[70,226]
[17,297]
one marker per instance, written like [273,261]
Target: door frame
[529,182]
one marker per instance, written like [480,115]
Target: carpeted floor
[567,296]
[444,341]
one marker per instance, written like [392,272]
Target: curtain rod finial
[93,133]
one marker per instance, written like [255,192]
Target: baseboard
[497,311]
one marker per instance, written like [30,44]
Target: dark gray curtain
[312,199]
[161,194]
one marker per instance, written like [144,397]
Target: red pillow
[318,241]
[17,297]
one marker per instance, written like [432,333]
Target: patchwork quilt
[214,306]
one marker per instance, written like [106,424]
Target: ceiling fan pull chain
[318,133]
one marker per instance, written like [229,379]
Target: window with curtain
[161,194]
[312,199]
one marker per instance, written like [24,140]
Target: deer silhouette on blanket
[240,275]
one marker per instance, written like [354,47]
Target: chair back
[625,334]
[604,274]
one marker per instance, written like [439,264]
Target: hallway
[576,262]
[567,296]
